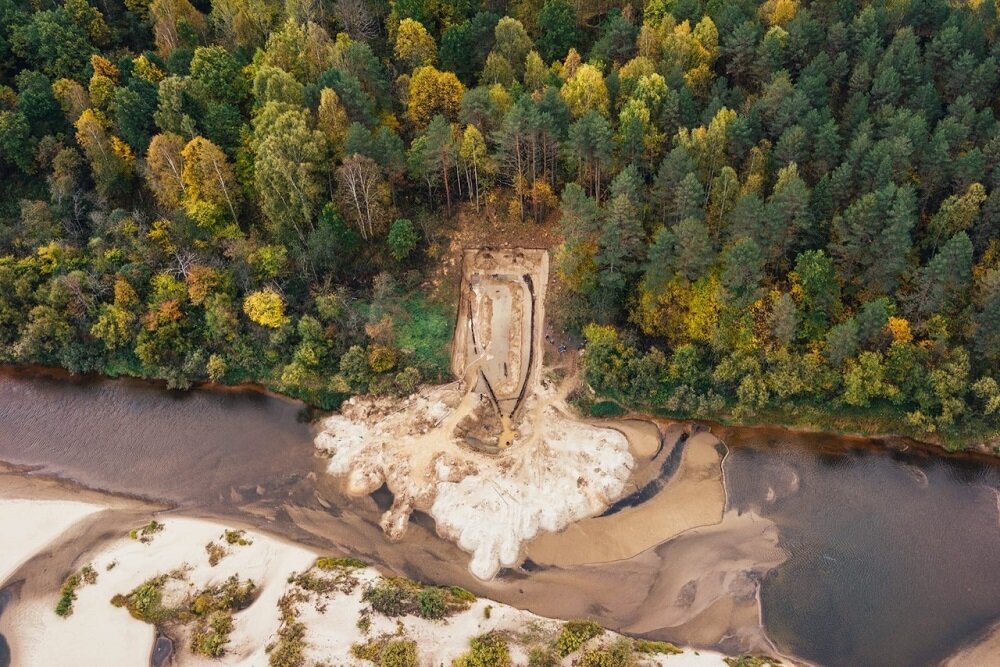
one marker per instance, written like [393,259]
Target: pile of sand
[559,471]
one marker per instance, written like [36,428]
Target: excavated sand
[561,470]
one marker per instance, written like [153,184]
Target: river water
[892,556]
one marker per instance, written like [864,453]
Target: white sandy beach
[98,633]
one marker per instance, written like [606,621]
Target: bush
[145,534]
[237,537]
[541,656]
[488,650]
[575,634]
[431,603]
[289,650]
[216,552]
[402,239]
[618,654]
[387,598]
[211,635]
[210,610]
[67,595]
[145,601]
[401,597]
[399,653]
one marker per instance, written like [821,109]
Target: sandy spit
[31,525]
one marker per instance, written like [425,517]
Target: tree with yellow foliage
[208,178]
[586,91]
[331,120]
[164,169]
[111,162]
[171,18]
[779,12]
[265,307]
[414,45]
[433,92]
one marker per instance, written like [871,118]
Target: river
[892,556]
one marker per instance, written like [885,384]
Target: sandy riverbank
[31,525]
[98,633]
[693,496]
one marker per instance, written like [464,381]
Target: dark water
[163,649]
[192,448]
[893,557]
[5,597]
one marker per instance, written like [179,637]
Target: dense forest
[784,209]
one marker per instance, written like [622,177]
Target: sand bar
[694,496]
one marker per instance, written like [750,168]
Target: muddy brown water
[892,556]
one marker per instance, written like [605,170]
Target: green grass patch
[290,647]
[662,648]
[619,653]
[606,409]
[752,661]
[339,563]
[489,650]
[425,334]
[67,594]
[386,652]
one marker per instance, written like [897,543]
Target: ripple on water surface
[893,556]
[134,437]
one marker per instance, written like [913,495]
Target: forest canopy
[763,209]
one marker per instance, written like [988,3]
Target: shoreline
[979,451]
